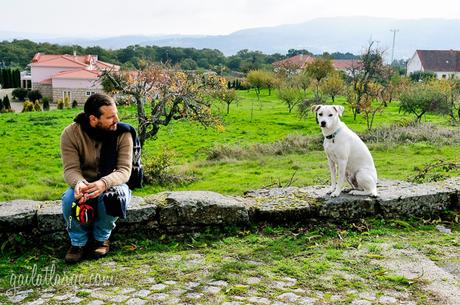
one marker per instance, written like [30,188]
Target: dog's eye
[321,114]
[330,114]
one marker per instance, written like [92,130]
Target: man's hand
[94,189]
[79,189]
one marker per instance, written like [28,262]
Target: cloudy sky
[93,18]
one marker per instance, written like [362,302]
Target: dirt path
[415,266]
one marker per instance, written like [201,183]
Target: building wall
[414,64]
[446,75]
[45,90]
[77,83]
[39,74]
[78,94]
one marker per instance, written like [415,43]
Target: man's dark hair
[95,102]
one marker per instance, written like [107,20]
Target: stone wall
[75,94]
[4,92]
[45,90]
[187,211]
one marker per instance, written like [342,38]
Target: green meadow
[247,154]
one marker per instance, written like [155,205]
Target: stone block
[49,217]
[18,215]
[140,212]
[201,208]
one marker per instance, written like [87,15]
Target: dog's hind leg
[367,183]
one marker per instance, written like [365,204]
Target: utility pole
[393,48]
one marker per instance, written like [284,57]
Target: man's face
[108,120]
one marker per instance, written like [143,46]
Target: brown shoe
[74,254]
[101,248]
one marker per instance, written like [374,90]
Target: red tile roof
[344,64]
[294,62]
[56,61]
[300,61]
[70,61]
[104,65]
[77,74]
[47,81]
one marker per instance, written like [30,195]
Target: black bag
[115,202]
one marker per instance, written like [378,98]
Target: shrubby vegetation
[19,53]
[9,78]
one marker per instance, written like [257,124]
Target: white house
[443,63]
[71,76]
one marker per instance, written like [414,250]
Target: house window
[89,93]
[66,94]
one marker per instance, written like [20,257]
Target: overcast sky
[93,18]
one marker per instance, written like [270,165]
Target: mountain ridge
[338,34]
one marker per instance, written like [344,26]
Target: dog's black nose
[323,124]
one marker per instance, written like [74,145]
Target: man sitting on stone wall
[97,154]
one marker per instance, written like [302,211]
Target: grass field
[30,164]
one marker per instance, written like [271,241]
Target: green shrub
[46,103]
[60,104]
[74,104]
[20,93]
[37,106]
[6,104]
[34,95]
[418,76]
[67,102]
[28,106]
[158,171]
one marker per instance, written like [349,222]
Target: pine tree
[17,78]
[6,103]
[5,78]
[10,78]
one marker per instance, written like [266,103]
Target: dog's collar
[332,135]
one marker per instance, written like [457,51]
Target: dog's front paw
[335,194]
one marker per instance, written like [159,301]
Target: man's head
[102,112]
[327,116]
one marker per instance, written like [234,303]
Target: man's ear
[92,120]
[339,109]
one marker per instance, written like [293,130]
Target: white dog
[346,153]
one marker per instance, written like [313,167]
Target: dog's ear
[315,108]
[339,109]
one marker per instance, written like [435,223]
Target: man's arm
[70,160]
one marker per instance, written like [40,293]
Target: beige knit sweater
[81,154]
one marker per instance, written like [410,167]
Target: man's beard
[110,128]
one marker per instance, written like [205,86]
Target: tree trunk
[141,120]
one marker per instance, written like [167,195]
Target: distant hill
[340,34]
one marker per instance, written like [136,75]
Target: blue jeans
[102,225]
